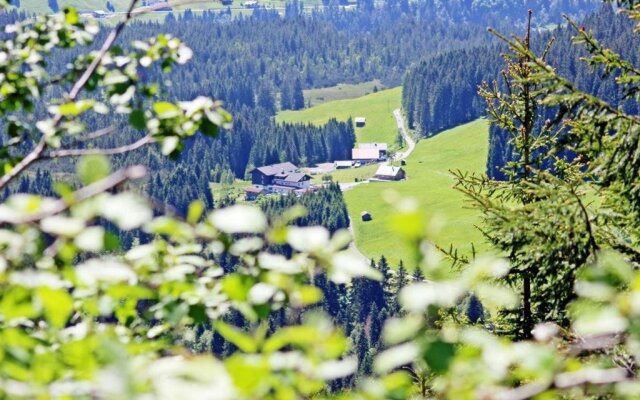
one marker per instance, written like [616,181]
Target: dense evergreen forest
[440,92]
[491,11]
[258,64]
[254,78]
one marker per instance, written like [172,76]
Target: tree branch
[36,153]
[107,152]
[101,186]
[97,134]
[80,83]
[566,381]
[32,157]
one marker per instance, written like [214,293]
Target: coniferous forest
[254,78]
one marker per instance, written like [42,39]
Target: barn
[390,173]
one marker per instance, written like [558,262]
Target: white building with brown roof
[390,173]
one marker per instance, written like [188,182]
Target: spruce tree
[297,96]
[541,216]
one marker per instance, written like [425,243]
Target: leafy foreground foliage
[81,319]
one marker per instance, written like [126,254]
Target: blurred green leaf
[438,356]
[243,341]
[73,109]
[396,357]
[166,110]
[237,286]
[137,119]
[127,210]
[91,239]
[196,208]
[93,168]
[239,219]
[71,15]
[57,304]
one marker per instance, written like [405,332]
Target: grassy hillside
[42,6]
[342,91]
[376,107]
[429,182]
[350,175]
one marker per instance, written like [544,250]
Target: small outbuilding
[365,156]
[366,216]
[252,192]
[390,173]
[360,122]
[344,164]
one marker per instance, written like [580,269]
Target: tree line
[440,92]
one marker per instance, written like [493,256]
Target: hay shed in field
[366,216]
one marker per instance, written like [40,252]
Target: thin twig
[33,156]
[97,134]
[587,221]
[107,152]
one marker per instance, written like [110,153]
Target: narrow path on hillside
[350,185]
[353,246]
[405,135]
[399,156]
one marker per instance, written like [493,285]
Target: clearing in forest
[430,183]
[377,108]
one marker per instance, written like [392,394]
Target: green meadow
[430,183]
[342,91]
[377,108]
[350,175]
[42,6]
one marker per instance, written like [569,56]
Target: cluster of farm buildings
[370,153]
[286,178]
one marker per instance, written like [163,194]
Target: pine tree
[265,98]
[286,97]
[297,99]
[401,281]
[539,217]
[474,311]
[418,275]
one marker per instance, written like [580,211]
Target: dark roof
[297,177]
[275,169]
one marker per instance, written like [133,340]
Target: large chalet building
[282,178]
[266,175]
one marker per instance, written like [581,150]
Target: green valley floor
[431,184]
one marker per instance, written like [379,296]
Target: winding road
[399,156]
[405,135]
